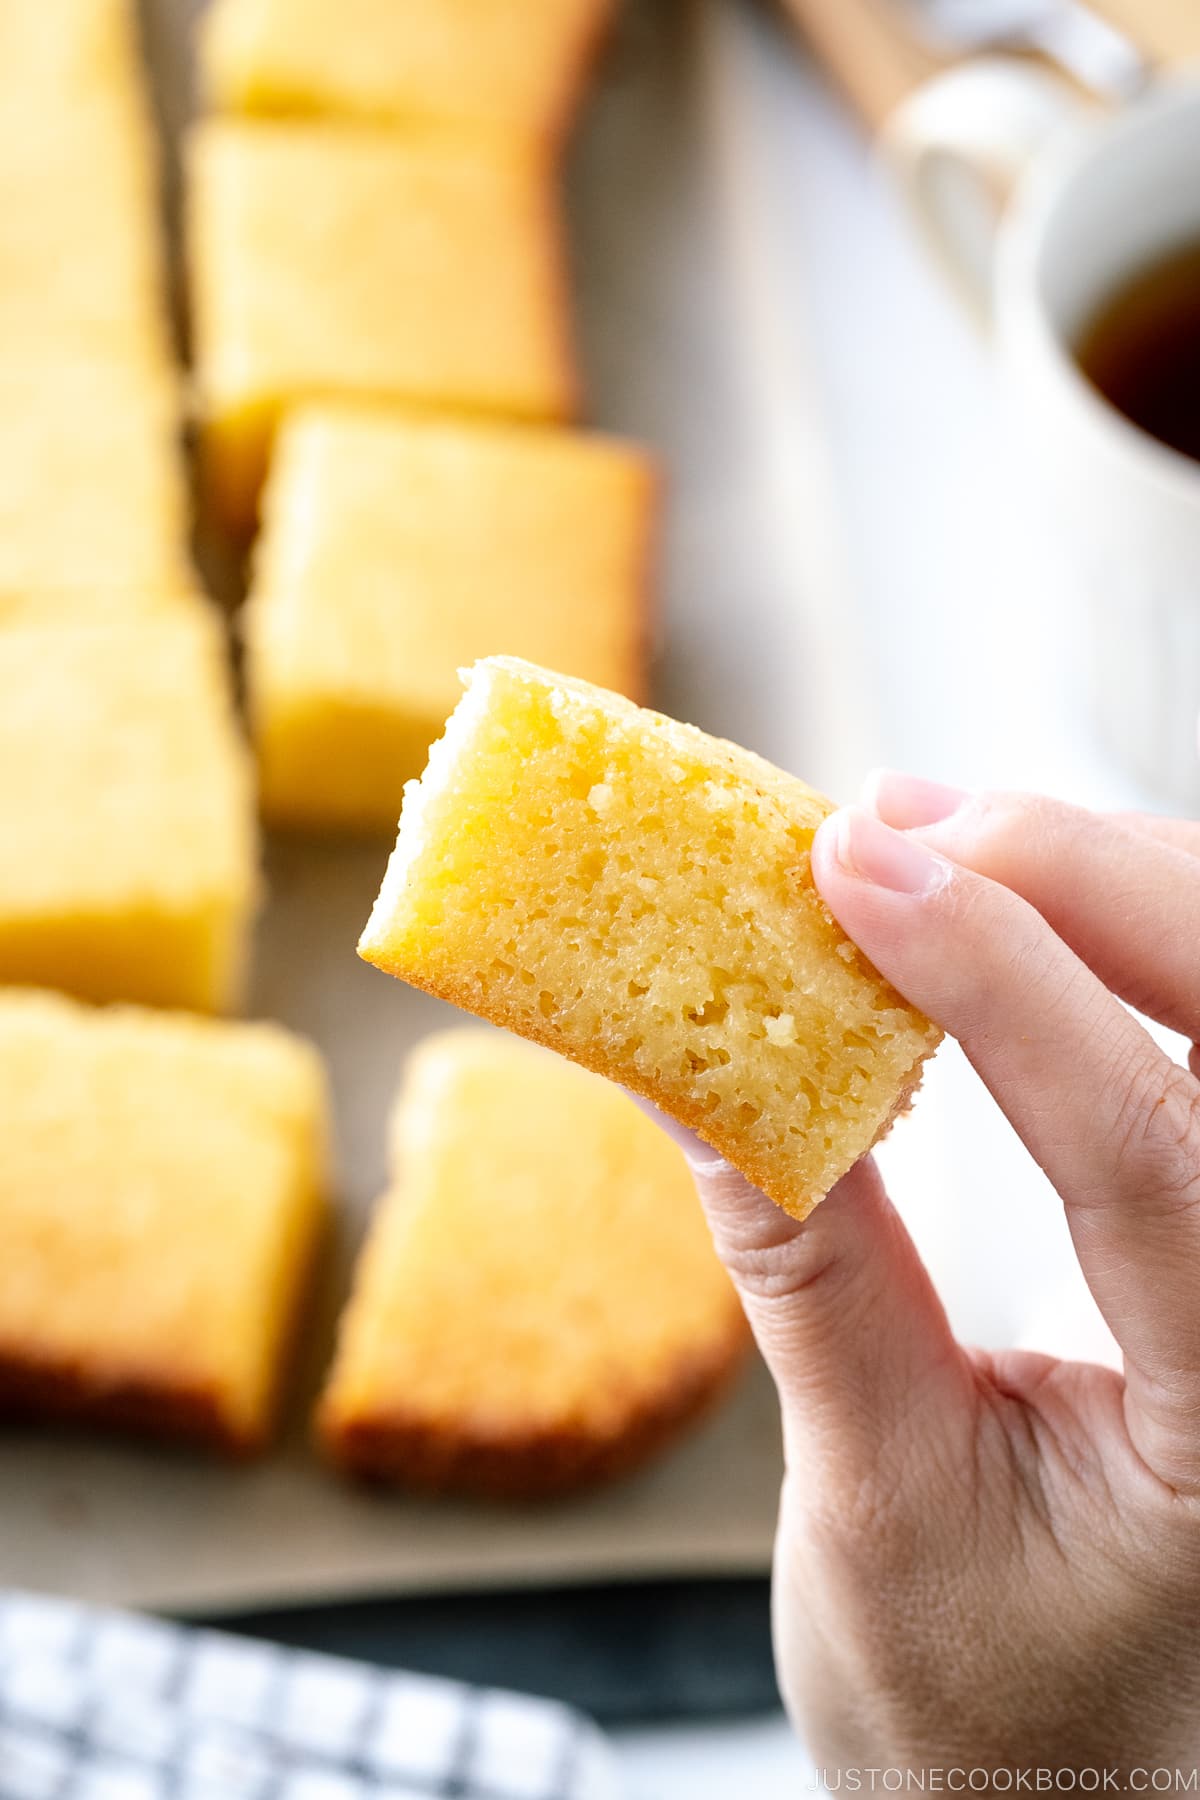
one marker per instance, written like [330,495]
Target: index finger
[1115,1123]
[1125,895]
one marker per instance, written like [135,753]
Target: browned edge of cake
[47,1392]
[649,587]
[589,49]
[403,1449]
[551,218]
[44,1394]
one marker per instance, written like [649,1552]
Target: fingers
[1183,833]
[1124,894]
[843,1312]
[1115,1124]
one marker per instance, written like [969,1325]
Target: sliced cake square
[539,1304]
[466,63]
[95,605]
[638,896]
[126,812]
[396,550]
[81,242]
[161,1189]
[68,53]
[80,263]
[370,264]
[92,491]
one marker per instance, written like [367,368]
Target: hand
[993,1560]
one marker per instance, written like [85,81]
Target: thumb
[842,1309]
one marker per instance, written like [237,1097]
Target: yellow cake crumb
[129,865]
[469,64]
[539,1303]
[510,895]
[161,1190]
[367,264]
[396,550]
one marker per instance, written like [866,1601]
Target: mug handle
[959,144]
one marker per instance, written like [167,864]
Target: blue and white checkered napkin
[109,1706]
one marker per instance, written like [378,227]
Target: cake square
[96,605]
[638,896]
[81,260]
[92,491]
[367,264]
[161,1191]
[394,551]
[129,865]
[471,64]
[68,52]
[538,1304]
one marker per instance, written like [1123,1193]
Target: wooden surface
[1168,31]
[869,49]
[876,57]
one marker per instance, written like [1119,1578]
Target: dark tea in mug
[1141,349]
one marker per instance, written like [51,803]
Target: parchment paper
[680,325]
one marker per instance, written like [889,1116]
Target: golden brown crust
[758,1168]
[35,1391]
[568,403]
[648,586]
[593,41]
[399,1448]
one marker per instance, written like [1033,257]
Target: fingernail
[908,801]
[872,851]
[700,1158]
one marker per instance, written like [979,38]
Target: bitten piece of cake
[396,550]
[639,896]
[126,812]
[161,1190]
[467,64]
[539,1304]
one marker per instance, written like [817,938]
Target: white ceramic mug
[1040,209]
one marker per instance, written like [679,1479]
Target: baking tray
[691,343]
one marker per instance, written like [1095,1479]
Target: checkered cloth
[108,1706]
